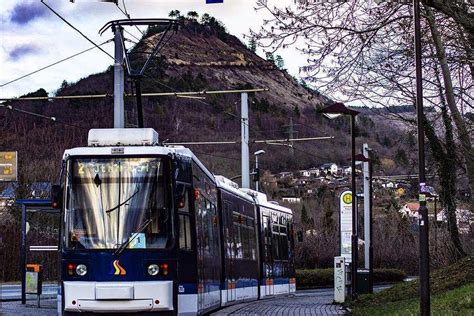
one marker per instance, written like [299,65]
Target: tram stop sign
[8,166]
[346,225]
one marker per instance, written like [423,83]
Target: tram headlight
[153,269]
[81,269]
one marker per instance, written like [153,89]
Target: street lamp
[256,154]
[361,157]
[332,112]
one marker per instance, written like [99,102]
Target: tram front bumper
[118,297]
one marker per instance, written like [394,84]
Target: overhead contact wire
[50,65]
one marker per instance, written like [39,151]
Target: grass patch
[451,288]
[314,278]
[459,301]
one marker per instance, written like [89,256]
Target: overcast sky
[31,36]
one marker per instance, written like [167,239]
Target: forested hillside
[200,56]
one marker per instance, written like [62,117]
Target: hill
[200,56]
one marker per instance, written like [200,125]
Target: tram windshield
[114,201]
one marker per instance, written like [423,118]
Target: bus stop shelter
[31,206]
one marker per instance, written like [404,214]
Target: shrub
[314,278]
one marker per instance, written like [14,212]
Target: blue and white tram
[148,229]
[276,243]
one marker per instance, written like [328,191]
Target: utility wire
[72,26]
[266,141]
[53,64]
[224,157]
[49,118]
[125,12]
[129,33]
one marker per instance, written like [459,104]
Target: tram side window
[237,236]
[275,241]
[245,238]
[184,225]
[280,237]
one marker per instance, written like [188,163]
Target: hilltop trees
[252,45]
[363,50]
[174,14]
[193,15]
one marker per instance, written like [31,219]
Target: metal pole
[366,208]
[245,140]
[119,110]
[371,247]
[436,225]
[291,135]
[139,103]
[423,211]
[23,254]
[354,252]
[256,170]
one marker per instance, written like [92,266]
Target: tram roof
[261,200]
[230,186]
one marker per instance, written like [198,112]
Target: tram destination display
[8,166]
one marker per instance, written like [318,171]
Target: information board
[346,225]
[8,166]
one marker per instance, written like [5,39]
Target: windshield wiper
[123,246]
[116,207]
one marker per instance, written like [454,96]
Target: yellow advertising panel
[8,166]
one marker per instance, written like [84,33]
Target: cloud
[25,12]
[21,50]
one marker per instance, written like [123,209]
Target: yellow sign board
[8,166]
[347,197]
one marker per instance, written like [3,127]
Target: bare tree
[364,52]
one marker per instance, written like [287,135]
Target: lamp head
[260,152]
[336,109]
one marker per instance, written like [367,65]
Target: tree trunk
[463,132]
[446,166]
[455,9]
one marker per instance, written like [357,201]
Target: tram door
[200,256]
[268,255]
[230,244]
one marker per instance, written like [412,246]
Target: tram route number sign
[346,225]
[8,166]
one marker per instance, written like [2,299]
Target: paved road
[10,292]
[308,302]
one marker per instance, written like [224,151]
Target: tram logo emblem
[118,269]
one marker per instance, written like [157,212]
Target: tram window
[283,245]
[237,236]
[252,243]
[184,232]
[275,241]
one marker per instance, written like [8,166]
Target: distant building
[285,174]
[464,219]
[410,210]
[314,172]
[329,168]
[304,173]
[346,171]
[291,199]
